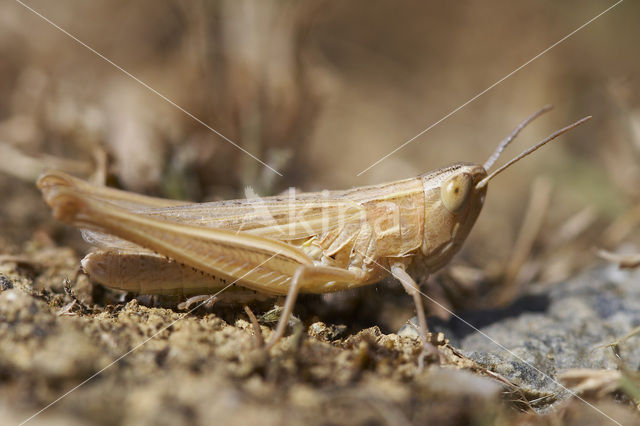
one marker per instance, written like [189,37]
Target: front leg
[399,272]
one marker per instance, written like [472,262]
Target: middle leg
[308,273]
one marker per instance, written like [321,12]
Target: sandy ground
[125,363]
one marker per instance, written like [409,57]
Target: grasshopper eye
[455,191]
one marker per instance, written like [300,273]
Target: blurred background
[320,90]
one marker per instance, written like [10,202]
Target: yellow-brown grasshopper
[281,245]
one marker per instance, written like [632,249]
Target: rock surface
[553,329]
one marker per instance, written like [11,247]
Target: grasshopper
[281,245]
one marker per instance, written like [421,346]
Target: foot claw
[204,299]
[430,353]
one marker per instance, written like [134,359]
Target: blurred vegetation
[320,90]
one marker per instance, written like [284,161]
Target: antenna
[554,135]
[502,145]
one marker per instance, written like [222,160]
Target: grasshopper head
[453,203]
[454,197]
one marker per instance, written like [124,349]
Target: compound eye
[455,191]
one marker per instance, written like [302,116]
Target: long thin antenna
[502,145]
[486,180]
